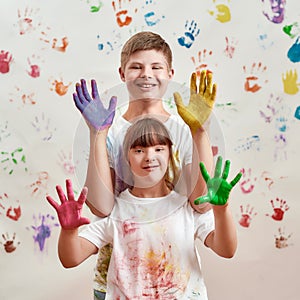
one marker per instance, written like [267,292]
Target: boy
[146,69]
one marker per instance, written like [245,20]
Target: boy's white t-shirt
[182,148]
[154,254]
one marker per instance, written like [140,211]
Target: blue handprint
[189,36]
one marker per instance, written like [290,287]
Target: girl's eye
[138,150]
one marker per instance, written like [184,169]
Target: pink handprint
[200,62]
[230,47]
[247,184]
[5,61]
[281,240]
[247,216]
[278,210]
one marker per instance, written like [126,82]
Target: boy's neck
[143,107]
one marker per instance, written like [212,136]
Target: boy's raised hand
[201,101]
[91,107]
[218,188]
[69,212]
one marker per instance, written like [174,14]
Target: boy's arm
[223,240]
[98,119]
[195,114]
[72,250]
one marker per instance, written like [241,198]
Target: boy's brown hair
[145,40]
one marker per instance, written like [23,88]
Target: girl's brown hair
[150,132]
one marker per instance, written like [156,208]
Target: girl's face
[147,75]
[148,164]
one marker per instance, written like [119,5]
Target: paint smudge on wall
[42,229]
[294,51]
[9,243]
[66,162]
[247,215]
[26,98]
[11,208]
[122,9]
[151,18]
[10,160]
[40,184]
[43,127]
[191,32]
[292,30]
[4,132]
[221,12]
[290,82]
[274,10]
[279,208]
[34,69]
[253,82]
[5,61]
[271,109]
[281,239]
[248,143]
[248,181]
[59,87]
[230,46]
[200,62]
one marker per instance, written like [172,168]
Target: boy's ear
[121,74]
[171,73]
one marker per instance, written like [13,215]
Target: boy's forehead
[147,56]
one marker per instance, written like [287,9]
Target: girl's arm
[72,249]
[223,240]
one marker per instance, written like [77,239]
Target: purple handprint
[92,108]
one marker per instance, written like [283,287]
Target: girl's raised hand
[218,188]
[69,212]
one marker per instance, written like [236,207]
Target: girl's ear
[122,76]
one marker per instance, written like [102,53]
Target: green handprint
[218,188]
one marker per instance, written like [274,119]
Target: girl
[152,228]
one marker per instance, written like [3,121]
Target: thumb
[178,99]
[112,104]
[202,199]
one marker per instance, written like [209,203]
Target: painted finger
[70,192]
[95,93]
[61,194]
[226,169]
[204,172]
[78,103]
[218,167]
[83,195]
[85,90]
[236,179]
[193,84]
[202,84]
[52,202]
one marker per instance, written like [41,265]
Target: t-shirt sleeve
[98,233]
[204,224]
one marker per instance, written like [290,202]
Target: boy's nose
[146,72]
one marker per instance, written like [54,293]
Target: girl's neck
[142,107]
[156,191]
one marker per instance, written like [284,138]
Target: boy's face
[146,75]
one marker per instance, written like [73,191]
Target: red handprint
[5,60]
[278,212]
[247,216]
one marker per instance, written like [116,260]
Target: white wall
[256,130]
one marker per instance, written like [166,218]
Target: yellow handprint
[222,13]
[290,85]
